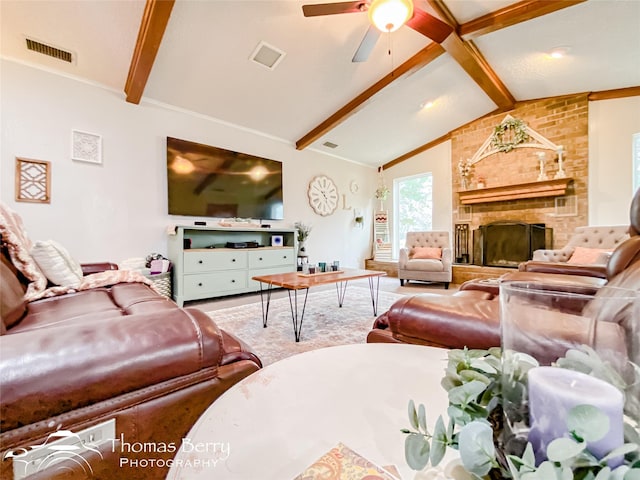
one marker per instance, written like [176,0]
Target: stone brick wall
[562,120]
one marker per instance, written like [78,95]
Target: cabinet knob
[200,284]
[233,259]
[260,259]
[200,261]
[233,281]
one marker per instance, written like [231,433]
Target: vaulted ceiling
[196,56]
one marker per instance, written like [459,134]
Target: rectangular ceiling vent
[267,55]
[45,49]
[330,144]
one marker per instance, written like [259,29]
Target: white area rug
[325,324]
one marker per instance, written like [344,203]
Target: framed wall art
[86,147]
[33,181]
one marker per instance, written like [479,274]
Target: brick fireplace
[561,120]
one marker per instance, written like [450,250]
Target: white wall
[436,160]
[118,210]
[611,126]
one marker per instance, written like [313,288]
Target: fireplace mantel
[545,188]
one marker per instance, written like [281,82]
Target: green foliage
[415,204]
[509,134]
[303,230]
[477,381]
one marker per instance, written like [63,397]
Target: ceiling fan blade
[367,44]
[334,8]
[429,26]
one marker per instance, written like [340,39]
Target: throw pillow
[425,253]
[12,303]
[56,263]
[586,256]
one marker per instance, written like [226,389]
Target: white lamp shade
[390,15]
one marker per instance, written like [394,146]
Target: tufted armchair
[601,237]
[426,257]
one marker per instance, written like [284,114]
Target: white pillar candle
[553,392]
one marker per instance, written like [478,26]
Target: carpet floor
[324,324]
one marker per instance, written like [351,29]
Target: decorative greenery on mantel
[510,133]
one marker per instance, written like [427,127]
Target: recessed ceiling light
[559,52]
[427,104]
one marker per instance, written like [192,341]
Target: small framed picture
[277,240]
[33,180]
[86,147]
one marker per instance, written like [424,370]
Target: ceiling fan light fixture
[182,166]
[559,52]
[390,15]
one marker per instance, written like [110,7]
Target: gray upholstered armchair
[591,237]
[426,257]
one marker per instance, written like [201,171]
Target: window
[636,161]
[413,207]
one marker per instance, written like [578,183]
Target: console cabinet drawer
[208,284]
[271,258]
[195,262]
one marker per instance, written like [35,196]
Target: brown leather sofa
[120,352]
[471,317]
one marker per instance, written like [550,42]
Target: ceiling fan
[385,16]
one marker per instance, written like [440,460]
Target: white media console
[204,267]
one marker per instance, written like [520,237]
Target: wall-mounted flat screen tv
[206,181]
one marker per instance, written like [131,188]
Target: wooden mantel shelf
[545,188]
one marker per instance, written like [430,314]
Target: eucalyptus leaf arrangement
[303,231]
[473,380]
[510,133]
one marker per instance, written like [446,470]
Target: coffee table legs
[297,316]
[374,290]
[297,319]
[265,307]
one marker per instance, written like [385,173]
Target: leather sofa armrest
[445,321]
[90,268]
[595,270]
[75,365]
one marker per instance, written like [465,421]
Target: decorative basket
[162,283]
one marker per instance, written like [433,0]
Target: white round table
[278,421]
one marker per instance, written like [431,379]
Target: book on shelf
[342,463]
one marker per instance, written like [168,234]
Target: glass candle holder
[559,343]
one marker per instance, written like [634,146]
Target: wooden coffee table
[295,281]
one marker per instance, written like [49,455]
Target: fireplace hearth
[508,243]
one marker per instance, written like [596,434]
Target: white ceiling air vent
[267,55]
[330,144]
[49,50]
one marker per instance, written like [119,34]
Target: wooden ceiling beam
[422,58]
[464,52]
[473,62]
[420,149]
[512,15]
[154,22]
[617,93]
